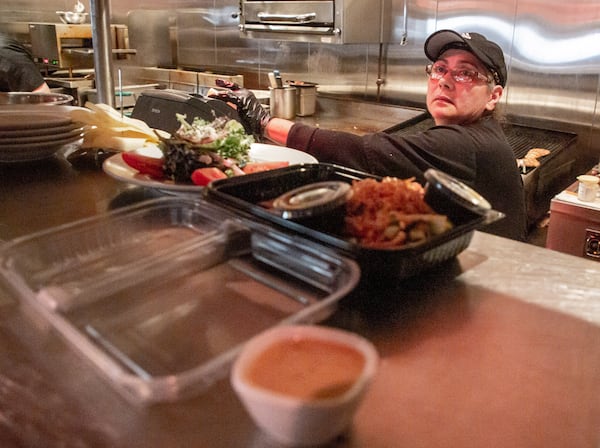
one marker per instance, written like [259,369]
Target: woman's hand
[252,114]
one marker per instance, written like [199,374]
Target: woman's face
[452,102]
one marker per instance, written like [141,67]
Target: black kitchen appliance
[158,108]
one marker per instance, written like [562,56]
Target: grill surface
[523,138]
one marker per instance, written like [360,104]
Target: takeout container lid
[157,295]
[444,193]
[312,199]
[245,194]
[588,179]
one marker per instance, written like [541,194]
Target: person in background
[466,79]
[18,71]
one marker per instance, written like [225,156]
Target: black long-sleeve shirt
[18,72]
[477,154]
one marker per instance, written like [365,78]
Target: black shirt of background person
[18,71]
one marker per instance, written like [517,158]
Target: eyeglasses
[463,75]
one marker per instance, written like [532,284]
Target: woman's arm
[43,88]
[277,130]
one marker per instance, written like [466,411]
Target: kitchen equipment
[246,194]
[158,108]
[77,15]
[153,293]
[306,98]
[72,16]
[278,79]
[60,45]
[56,46]
[282,102]
[574,226]
[325,21]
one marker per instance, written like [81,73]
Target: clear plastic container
[162,295]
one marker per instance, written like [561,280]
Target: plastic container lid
[312,200]
[589,180]
[458,193]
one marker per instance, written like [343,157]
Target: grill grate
[523,138]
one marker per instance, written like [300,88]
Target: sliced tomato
[204,176]
[257,167]
[152,166]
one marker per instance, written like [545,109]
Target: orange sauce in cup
[306,368]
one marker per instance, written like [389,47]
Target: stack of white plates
[30,133]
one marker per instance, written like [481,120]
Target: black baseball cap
[486,51]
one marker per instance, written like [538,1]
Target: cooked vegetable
[204,176]
[152,166]
[391,213]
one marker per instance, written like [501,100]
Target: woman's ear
[495,96]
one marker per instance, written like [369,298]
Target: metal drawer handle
[296,18]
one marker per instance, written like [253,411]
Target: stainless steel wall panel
[196,46]
[152,36]
[551,49]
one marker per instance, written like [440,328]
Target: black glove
[253,116]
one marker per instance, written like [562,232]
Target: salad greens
[222,143]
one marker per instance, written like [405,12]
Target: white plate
[33,139]
[20,119]
[22,133]
[33,152]
[115,167]
[34,117]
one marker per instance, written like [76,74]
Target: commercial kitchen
[498,345]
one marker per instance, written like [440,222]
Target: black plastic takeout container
[245,194]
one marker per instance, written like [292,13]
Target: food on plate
[391,213]
[222,143]
[204,176]
[152,166]
[200,152]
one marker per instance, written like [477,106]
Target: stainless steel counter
[500,347]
